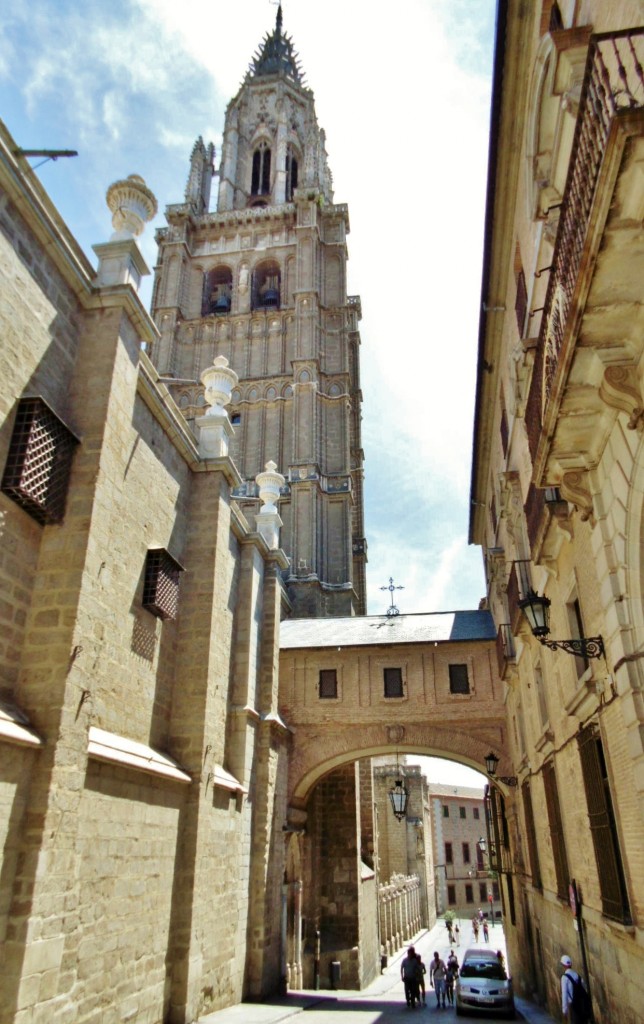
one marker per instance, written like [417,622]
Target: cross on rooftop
[392,609]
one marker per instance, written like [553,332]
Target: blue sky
[403,93]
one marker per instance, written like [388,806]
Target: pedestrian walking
[451,975]
[486,931]
[457,933]
[409,975]
[475,928]
[575,1001]
[421,971]
[437,972]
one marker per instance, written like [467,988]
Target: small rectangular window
[458,679]
[451,894]
[475,813]
[161,584]
[235,418]
[328,684]
[446,810]
[482,891]
[466,853]
[39,461]
[449,855]
[480,866]
[469,893]
[393,682]
[462,812]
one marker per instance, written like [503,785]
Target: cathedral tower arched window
[291,173]
[266,285]
[217,291]
[261,175]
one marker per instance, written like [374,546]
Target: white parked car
[483,984]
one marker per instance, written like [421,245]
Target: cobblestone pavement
[383,1002]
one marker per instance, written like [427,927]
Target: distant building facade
[460,862]
[557,490]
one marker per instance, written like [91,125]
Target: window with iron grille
[505,430]
[446,810]
[482,892]
[38,466]
[161,584]
[531,835]
[328,684]
[521,302]
[393,682]
[556,830]
[462,812]
[451,894]
[480,866]
[573,609]
[475,813]
[603,829]
[449,856]
[458,679]
[469,893]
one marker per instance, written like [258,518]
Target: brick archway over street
[358,687]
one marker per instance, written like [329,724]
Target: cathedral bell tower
[263,282]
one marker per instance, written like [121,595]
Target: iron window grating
[161,584]
[38,467]
[328,684]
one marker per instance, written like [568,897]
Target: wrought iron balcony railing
[613,83]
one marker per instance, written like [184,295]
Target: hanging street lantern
[399,796]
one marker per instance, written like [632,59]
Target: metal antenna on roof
[392,609]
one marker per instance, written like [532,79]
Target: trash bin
[336,974]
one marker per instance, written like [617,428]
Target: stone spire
[276,55]
[200,176]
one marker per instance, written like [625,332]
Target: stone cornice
[247,215]
[161,404]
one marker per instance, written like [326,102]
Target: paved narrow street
[383,1002]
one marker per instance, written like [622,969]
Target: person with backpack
[575,1001]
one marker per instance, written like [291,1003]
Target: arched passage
[336,694]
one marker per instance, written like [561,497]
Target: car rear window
[483,969]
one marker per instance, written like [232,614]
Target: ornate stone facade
[559,422]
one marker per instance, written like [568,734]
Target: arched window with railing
[217,291]
[266,285]
[260,184]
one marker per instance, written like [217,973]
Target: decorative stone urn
[268,520]
[218,381]
[270,482]
[215,429]
[120,260]
[132,205]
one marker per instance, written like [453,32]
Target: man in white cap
[569,981]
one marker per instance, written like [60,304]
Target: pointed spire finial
[278,20]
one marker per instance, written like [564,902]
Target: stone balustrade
[399,905]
